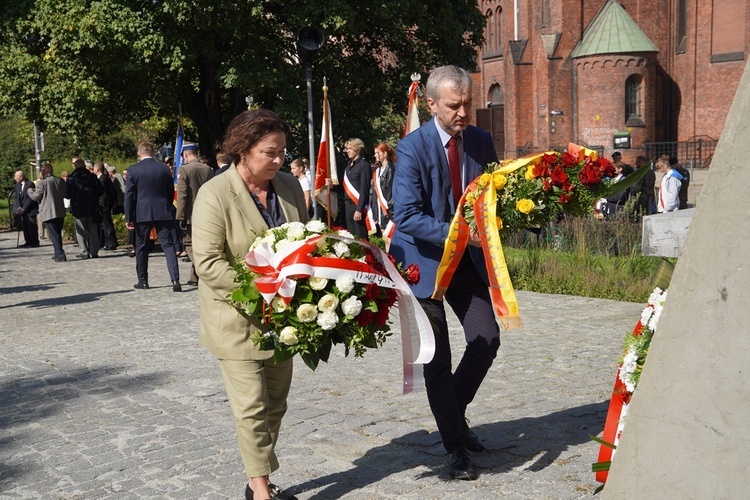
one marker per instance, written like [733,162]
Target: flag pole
[328,152]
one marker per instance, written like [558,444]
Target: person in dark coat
[107,201]
[26,209]
[83,190]
[149,193]
[357,179]
[644,189]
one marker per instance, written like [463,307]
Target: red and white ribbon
[277,272]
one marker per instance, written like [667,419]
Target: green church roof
[613,31]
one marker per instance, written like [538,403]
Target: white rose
[288,335]
[307,313]
[269,239]
[317,283]
[345,284]
[257,242]
[328,302]
[315,226]
[328,320]
[282,243]
[278,304]
[295,231]
[351,306]
[345,233]
[341,249]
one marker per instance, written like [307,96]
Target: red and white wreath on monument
[628,376]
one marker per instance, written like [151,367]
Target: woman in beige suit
[230,209]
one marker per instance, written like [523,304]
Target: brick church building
[611,75]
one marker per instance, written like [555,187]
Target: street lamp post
[309,42]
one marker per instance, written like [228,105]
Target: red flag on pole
[326,163]
[412,113]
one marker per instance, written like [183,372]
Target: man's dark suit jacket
[83,190]
[108,197]
[30,207]
[423,201]
[149,192]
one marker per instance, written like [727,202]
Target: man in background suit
[149,192]
[26,210]
[107,201]
[434,164]
[84,190]
[50,194]
[190,177]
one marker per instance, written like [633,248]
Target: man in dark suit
[149,193]
[84,190]
[434,164]
[107,201]
[26,210]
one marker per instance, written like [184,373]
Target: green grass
[584,257]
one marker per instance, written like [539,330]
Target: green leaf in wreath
[603,442]
[238,296]
[304,295]
[251,292]
[369,341]
[601,466]
[324,351]
[280,355]
[311,360]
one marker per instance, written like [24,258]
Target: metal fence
[696,152]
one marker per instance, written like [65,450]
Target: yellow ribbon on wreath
[503,296]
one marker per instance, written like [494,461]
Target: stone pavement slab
[105,392]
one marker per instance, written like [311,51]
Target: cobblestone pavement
[105,392]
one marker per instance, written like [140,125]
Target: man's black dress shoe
[141,286]
[460,467]
[472,440]
[192,283]
[59,259]
[25,245]
[176,287]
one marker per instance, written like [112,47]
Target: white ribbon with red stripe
[277,271]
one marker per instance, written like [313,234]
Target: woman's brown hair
[248,128]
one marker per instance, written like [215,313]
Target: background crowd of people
[406,197]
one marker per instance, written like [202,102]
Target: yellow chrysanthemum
[499,180]
[525,206]
[499,222]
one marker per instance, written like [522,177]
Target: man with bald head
[26,210]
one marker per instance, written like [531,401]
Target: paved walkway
[105,392]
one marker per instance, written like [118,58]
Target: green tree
[90,66]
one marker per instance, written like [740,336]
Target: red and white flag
[412,112]
[326,163]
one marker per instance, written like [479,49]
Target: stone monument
[687,434]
